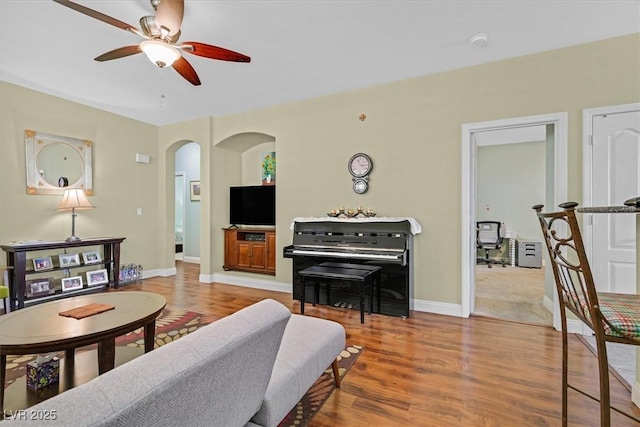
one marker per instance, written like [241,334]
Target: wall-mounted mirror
[55,163]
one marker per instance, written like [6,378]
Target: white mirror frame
[35,142]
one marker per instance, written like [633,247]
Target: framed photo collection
[39,287]
[91,257]
[97,277]
[44,263]
[71,283]
[68,260]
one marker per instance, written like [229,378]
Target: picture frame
[39,287]
[69,260]
[97,277]
[42,263]
[194,191]
[71,283]
[91,257]
[268,168]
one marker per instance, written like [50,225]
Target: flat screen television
[252,205]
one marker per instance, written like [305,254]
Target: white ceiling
[299,49]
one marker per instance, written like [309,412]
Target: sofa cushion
[215,376]
[308,347]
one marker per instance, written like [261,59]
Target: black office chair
[489,236]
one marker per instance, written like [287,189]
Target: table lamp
[74,198]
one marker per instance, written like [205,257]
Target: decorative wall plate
[360,185]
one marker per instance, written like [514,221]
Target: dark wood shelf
[17,258]
[68,267]
[60,295]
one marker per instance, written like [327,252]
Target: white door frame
[560,122]
[587,163]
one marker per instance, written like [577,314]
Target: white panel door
[616,178]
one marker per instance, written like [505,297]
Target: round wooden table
[40,329]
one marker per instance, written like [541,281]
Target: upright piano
[385,242]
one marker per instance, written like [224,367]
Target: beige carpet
[511,293]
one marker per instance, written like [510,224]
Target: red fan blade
[169,14]
[214,52]
[120,52]
[99,16]
[185,69]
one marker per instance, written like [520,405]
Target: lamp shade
[160,53]
[74,198]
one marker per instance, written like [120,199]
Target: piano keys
[381,243]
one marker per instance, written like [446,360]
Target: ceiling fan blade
[214,52]
[185,69]
[100,16]
[120,52]
[169,15]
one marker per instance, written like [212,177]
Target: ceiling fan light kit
[160,53]
[161,33]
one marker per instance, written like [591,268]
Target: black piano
[385,244]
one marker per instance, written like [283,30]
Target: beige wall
[412,132]
[120,184]
[510,179]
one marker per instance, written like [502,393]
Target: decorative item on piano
[351,213]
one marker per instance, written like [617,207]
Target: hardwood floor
[430,370]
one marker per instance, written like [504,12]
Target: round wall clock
[360,185]
[360,165]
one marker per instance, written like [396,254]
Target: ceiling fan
[161,33]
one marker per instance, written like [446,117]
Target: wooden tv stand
[250,249]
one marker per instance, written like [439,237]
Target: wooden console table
[17,253]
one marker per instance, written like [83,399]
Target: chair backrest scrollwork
[572,273]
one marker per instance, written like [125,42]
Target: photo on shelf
[71,283]
[68,260]
[91,257]
[39,287]
[43,263]
[97,277]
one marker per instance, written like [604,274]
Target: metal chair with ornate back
[612,317]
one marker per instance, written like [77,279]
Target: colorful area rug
[174,323]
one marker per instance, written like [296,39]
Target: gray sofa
[247,369]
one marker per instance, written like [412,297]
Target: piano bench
[363,275]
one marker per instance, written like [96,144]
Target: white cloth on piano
[415,226]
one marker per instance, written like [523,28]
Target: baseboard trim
[575,326]
[435,307]
[635,393]
[246,281]
[159,272]
[191,259]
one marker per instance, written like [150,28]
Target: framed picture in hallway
[194,190]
